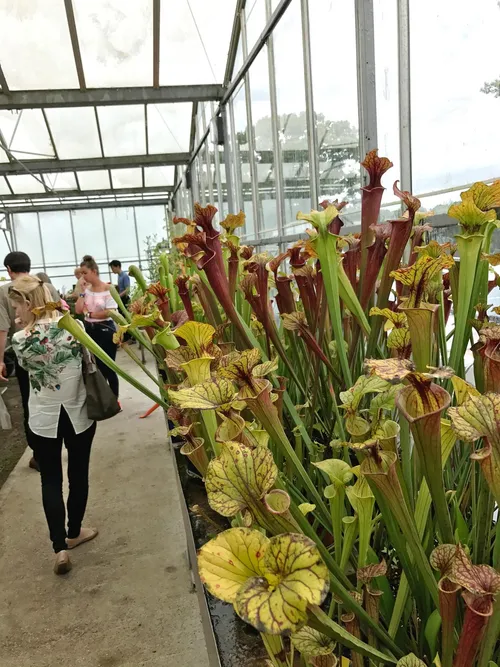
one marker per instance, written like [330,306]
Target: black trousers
[23,380]
[48,456]
[102,334]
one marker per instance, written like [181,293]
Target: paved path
[128,601]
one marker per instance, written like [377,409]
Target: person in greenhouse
[123,280]
[17,264]
[52,358]
[95,302]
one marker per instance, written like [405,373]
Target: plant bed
[237,643]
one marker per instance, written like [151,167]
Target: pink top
[97,301]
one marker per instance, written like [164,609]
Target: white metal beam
[37,99]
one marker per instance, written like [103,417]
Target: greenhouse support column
[105,237]
[232,157]
[310,115]
[404,93]
[70,213]
[254,176]
[365,58]
[220,198]
[137,239]
[41,241]
[278,161]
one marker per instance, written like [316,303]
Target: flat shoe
[63,563]
[86,534]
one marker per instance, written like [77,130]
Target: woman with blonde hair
[96,302]
[57,412]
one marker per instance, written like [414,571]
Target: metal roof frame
[93,163]
[18,100]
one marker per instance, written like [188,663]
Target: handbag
[101,402]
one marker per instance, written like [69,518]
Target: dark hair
[89,263]
[18,262]
[116,262]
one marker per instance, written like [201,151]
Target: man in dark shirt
[123,280]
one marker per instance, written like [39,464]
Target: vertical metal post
[105,240]
[404,94]
[70,213]
[41,241]
[222,208]
[229,159]
[278,161]
[210,182]
[232,159]
[254,176]
[310,115]
[367,96]
[137,239]
[12,224]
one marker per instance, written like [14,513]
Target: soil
[239,644]
[13,442]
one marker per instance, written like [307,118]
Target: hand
[3,372]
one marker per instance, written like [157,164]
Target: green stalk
[383,480]
[340,585]
[337,510]
[266,413]
[469,248]
[68,323]
[136,273]
[114,293]
[442,331]
[422,509]
[350,532]
[142,366]
[326,247]
[323,623]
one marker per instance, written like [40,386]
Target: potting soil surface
[128,601]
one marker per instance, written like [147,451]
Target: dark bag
[101,402]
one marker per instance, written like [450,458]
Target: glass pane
[255,20]
[336,102]
[263,138]
[455,138]
[4,189]
[89,234]
[184,59]
[27,236]
[26,134]
[169,127]
[150,223]
[116,42]
[75,132]
[291,110]
[35,46]
[56,238]
[387,88]
[60,181]
[123,129]
[126,178]
[94,180]
[159,176]
[120,232]
[24,183]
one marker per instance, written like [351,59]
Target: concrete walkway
[128,600]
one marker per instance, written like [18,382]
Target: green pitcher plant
[340,401]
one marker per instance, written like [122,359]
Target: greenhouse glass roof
[97,97]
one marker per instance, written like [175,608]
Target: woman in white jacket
[57,412]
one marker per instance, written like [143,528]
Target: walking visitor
[123,281]
[95,302]
[52,359]
[17,264]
